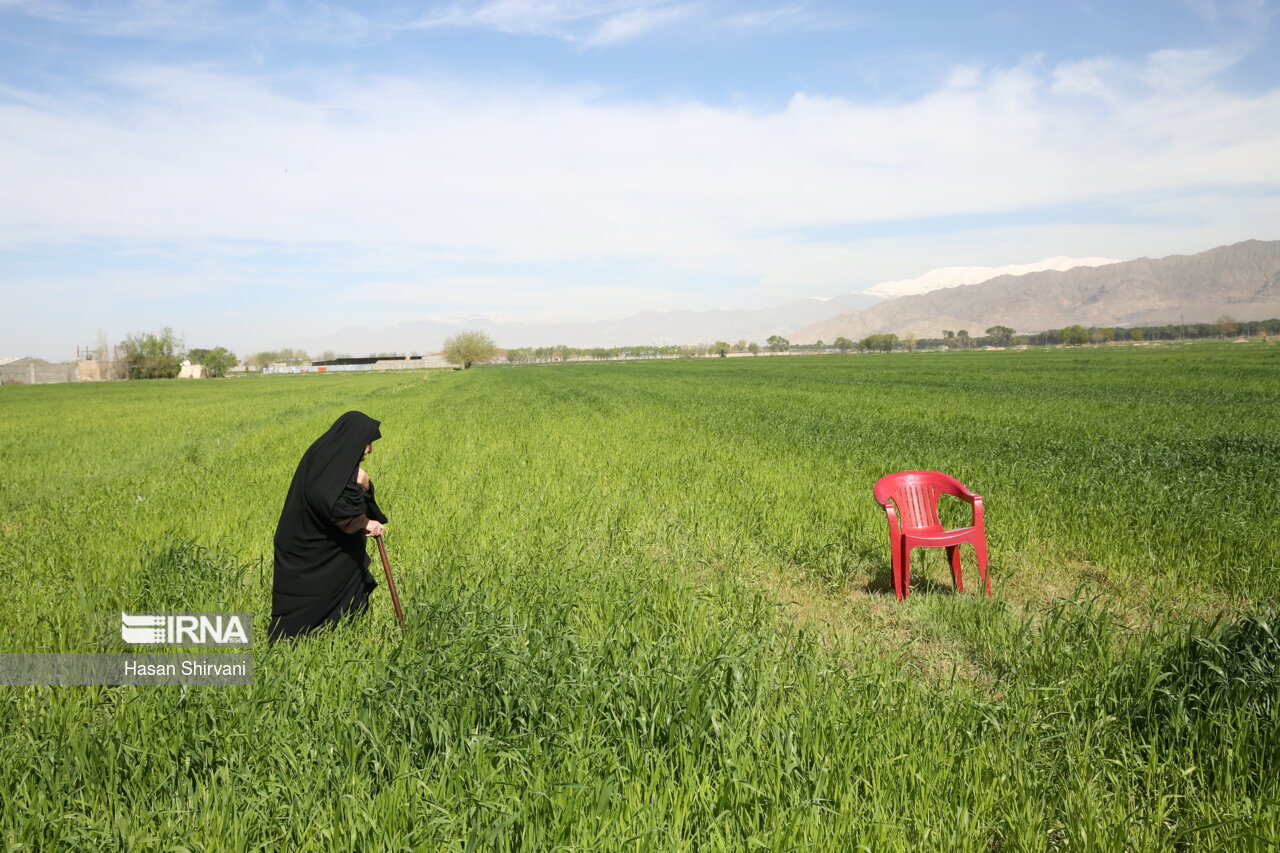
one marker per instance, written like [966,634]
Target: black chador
[321,562]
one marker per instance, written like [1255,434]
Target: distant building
[408,362]
[35,371]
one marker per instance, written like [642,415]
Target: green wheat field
[650,608]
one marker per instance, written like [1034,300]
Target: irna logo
[187,629]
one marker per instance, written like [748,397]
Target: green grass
[649,609]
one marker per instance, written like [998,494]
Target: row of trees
[1073,335]
[1077,334]
[1003,336]
[472,347]
[561,352]
[723,348]
[159,355]
[879,343]
[266,358]
[775,343]
[1224,327]
[148,355]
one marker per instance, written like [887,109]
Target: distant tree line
[1223,327]
[148,355]
[994,336]
[266,358]
[1003,336]
[524,355]
[722,349]
[159,355]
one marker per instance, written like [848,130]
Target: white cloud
[600,23]
[542,175]
[633,23]
[592,23]
[129,17]
[782,17]
[660,198]
[1253,12]
[188,20]
[959,276]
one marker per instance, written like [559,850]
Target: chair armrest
[976,501]
[893,519]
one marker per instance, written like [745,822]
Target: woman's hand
[362,479]
[374,528]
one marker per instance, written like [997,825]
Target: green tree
[1137,334]
[1225,325]
[740,346]
[284,356]
[721,348]
[216,361]
[1000,335]
[844,344]
[152,356]
[1101,336]
[963,337]
[263,359]
[753,348]
[777,343]
[469,347]
[1076,334]
[883,343]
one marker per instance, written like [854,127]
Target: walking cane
[391,584]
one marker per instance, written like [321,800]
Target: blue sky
[260,175]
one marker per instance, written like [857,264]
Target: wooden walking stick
[391,584]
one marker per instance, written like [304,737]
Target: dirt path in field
[858,620]
[854,622]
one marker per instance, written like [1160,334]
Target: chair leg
[953,557]
[906,570]
[980,548]
[895,556]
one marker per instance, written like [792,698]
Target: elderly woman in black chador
[321,565]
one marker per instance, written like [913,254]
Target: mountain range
[1242,280]
[645,327]
[958,276]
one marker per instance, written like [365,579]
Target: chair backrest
[915,494]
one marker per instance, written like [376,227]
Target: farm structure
[355,365]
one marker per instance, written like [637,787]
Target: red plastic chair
[913,495]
